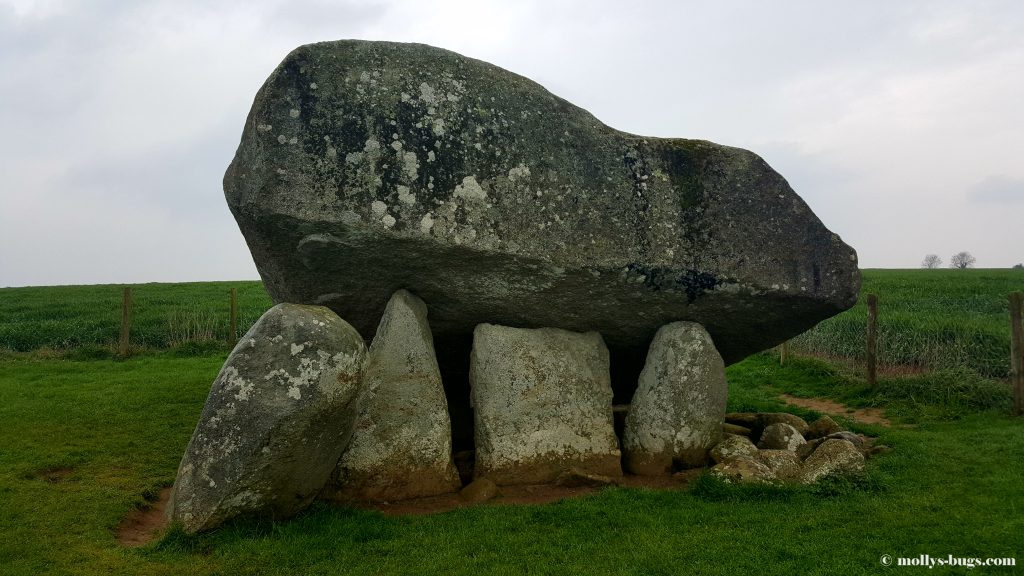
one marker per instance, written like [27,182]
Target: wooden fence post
[126,322]
[783,353]
[872,358]
[1017,352]
[233,338]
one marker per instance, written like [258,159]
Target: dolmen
[464,263]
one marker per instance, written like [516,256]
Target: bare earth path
[831,407]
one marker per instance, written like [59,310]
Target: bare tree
[931,261]
[962,260]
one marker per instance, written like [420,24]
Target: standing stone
[278,417]
[401,446]
[542,404]
[678,408]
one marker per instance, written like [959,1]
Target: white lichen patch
[388,221]
[426,223]
[264,127]
[294,392]
[281,138]
[405,196]
[293,113]
[427,94]
[378,207]
[410,165]
[520,171]
[470,189]
[296,348]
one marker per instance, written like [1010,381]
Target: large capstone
[402,442]
[542,403]
[366,167]
[677,411]
[279,415]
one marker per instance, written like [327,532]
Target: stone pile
[785,454]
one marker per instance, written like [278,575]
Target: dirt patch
[862,415]
[529,494]
[55,475]
[141,526]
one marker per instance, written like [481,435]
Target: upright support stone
[679,405]
[542,404]
[402,444]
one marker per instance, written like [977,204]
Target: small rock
[766,419]
[735,429]
[479,490]
[746,419]
[879,449]
[743,470]
[833,457]
[783,463]
[576,478]
[781,436]
[732,447]
[808,448]
[822,427]
[860,442]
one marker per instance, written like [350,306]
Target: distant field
[164,315]
[932,319]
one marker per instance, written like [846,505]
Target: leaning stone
[783,463]
[822,427]
[367,166]
[833,458]
[677,410]
[279,415]
[734,429]
[402,443]
[743,470]
[731,447]
[479,490]
[781,437]
[542,404]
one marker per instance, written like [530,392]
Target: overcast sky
[900,123]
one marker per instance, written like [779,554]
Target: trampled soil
[862,415]
[141,526]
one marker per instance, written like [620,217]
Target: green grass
[88,318]
[950,487]
[933,319]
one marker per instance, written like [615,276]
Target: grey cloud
[999,189]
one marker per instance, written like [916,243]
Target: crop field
[87,438]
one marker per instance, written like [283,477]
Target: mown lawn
[84,442]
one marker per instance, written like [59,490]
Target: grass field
[931,319]
[84,440]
